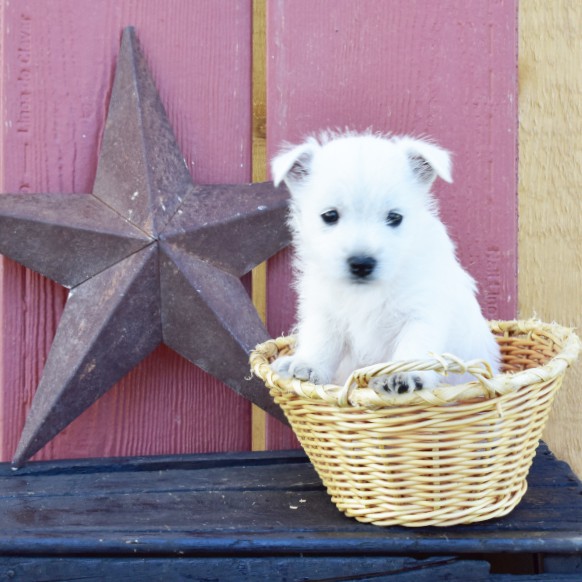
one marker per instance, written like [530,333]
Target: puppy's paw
[293,367]
[396,384]
[403,382]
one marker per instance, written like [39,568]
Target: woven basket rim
[355,393]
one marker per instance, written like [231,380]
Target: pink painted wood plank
[58,63]
[441,69]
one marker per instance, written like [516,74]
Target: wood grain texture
[438,569]
[253,505]
[442,69]
[259,174]
[58,67]
[550,186]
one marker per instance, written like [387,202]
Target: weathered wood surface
[57,71]
[249,504]
[274,569]
[444,69]
[550,186]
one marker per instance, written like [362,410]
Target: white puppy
[377,275]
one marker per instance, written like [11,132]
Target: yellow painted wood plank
[259,174]
[550,191]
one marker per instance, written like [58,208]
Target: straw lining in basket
[457,454]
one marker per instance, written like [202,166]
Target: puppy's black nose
[362,266]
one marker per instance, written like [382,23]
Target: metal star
[149,257]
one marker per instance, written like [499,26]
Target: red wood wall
[446,69]
[442,69]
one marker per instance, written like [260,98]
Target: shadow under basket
[455,454]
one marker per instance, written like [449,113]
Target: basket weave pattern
[458,454]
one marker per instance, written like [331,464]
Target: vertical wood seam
[259,174]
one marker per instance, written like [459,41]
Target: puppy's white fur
[416,299]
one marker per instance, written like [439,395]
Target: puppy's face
[359,202]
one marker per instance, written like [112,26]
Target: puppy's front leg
[317,353]
[416,341]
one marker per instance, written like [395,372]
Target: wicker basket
[457,454]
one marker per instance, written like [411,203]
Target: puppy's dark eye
[393,219]
[330,217]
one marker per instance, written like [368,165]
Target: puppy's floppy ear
[427,160]
[293,165]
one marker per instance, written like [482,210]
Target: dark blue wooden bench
[261,516]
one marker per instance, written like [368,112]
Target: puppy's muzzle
[361,266]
